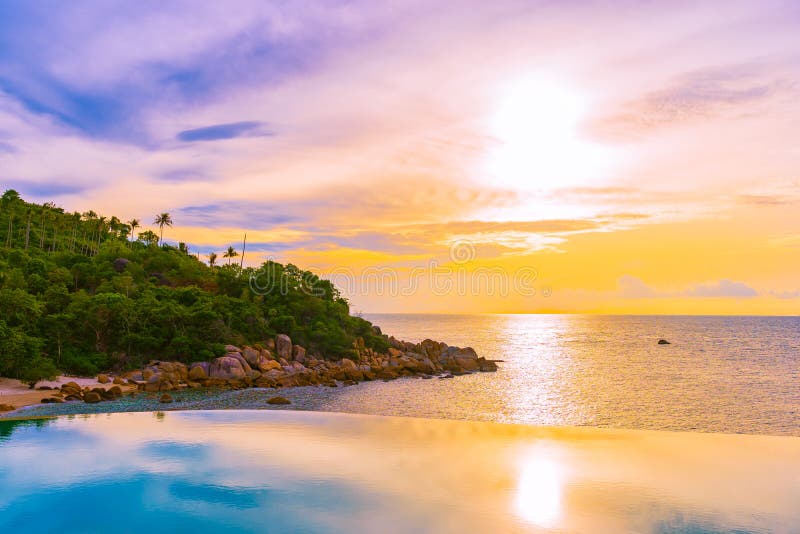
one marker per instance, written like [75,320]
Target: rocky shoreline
[283,364]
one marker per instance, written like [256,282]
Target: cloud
[47,190]
[7,148]
[795,294]
[633,287]
[722,288]
[698,95]
[224,131]
[185,175]
[766,200]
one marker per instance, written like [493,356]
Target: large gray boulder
[226,368]
[283,346]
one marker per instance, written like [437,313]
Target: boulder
[283,346]
[197,373]
[92,397]
[268,365]
[165,398]
[118,380]
[242,361]
[278,400]
[298,354]
[271,344]
[153,383]
[71,385]
[663,342]
[347,363]
[467,359]
[226,368]
[486,366]
[111,393]
[251,356]
[56,400]
[103,379]
[232,348]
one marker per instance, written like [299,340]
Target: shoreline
[576,432]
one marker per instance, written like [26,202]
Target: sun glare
[538,499]
[536,125]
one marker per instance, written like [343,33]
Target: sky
[448,157]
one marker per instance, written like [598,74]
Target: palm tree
[230,254]
[162,220]
[212,259]
[134,224]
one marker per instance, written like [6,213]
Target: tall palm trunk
[28,231]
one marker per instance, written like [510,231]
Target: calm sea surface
[720,374]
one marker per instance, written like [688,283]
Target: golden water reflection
[352,473]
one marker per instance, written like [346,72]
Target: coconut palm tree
[162,220]
[134,224]
[230,254]
[212,259]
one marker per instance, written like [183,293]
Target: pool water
[285,471]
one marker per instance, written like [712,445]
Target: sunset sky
[638,157]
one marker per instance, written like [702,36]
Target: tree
[162,220]
[212,259]
[36,369]
[134,224]
[230,254]
[148,236]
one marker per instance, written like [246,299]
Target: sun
[537,138]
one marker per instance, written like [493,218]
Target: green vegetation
[78,295]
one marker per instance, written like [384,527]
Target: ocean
[718,374]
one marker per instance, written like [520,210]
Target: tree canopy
[78,296]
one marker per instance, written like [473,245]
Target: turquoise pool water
[271,471]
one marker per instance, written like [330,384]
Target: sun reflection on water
[539,491]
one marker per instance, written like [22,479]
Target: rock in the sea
[467,359]
[103,379]
[278,400]
[92,397]
[486,366]
[283,346]
[226,368]
[165,398]
[663,342]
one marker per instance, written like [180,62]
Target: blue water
[271,471]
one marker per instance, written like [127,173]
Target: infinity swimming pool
[284,471]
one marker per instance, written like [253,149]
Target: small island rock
[278,400]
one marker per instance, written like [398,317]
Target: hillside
[82,293]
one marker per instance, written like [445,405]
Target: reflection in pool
[259,471]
